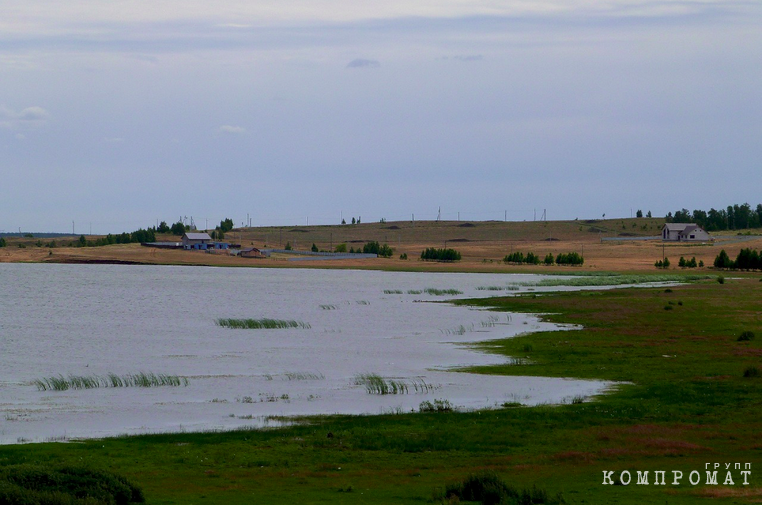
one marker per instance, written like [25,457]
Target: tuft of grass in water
[304,376]
[141,379]
[414,291]
[377,385]
[392,291]
[328,307]
[442,292]
[436,406]
[259,324]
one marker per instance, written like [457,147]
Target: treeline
[747,259]
[572,258]
[434,254]
[138,236]
[734,217]
[383,251]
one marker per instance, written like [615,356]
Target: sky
[115,115]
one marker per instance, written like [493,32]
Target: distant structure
[196,241]
[684,232]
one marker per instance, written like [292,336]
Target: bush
[403,256]
[571,258]
[440,254]
[751,372]
[746,336]
[35,485]
[488,488]
[723,260]
[341,248]
[721,279]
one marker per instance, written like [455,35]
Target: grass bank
[686,403]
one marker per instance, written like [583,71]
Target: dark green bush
[746,336]
[751,372]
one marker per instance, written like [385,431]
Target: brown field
[482,245]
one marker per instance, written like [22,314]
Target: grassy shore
[684,402]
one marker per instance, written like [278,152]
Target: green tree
[288,246]
[314,247]
[226,225]
[639,213]
[82,242]
[341,248]
[3,243]
[353,220]
[178,228]
[163,227]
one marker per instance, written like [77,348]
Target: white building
[684,232]
[196,240]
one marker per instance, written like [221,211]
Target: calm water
[86,319]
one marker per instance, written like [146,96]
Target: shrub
[721,279]
[403,256]
[288,246]
[432,253]
[488,488]
[746,336]
[341,248]
[571,258]
[723,260]
[751,372]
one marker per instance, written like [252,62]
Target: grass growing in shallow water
[142,379]
[442,292]
[377,385]
[260,324]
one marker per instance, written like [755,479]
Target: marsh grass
[259,324]
[141,379]
[442,292]
[304,376]
[613,280]
[377,385]
[328,307]
[414,291]
[392,291]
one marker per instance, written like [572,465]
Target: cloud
[31,117]
[234,130]
[362,63]
[465,57]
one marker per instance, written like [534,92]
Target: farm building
[196,240]
[684,232]
[252,253]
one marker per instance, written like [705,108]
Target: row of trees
[434,254]
[734,217]
[747,259]
[572,258]
[139,236]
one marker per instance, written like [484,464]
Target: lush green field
[686,403]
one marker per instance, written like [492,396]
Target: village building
[196,241]
[684,232]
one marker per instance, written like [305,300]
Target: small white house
[196,240]
[684,232]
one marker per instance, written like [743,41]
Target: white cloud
[235,130]
[31,117]
[363,63]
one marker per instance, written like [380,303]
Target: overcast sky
[116,114]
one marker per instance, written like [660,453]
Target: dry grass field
[482,245]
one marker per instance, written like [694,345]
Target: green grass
[442,292]
[141,379]
[608,279]
[683,402]
[259,324]
[377,385]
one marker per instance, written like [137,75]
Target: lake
[95,320]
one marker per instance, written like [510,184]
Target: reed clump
[442,292]
[141,379]
[261,324]
[377,385]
